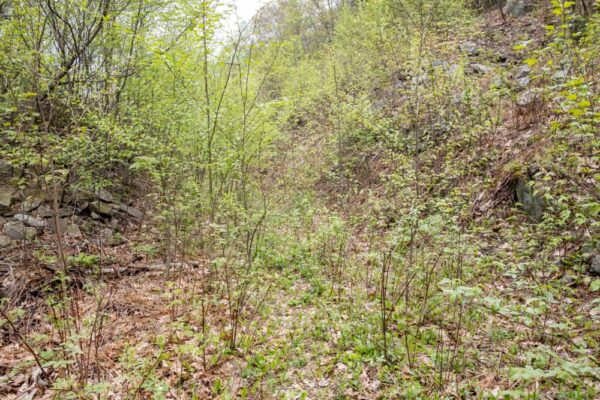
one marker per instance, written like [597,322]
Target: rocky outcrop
[80,213]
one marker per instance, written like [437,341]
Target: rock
[30,221]
[72,229]
[521,75]
[480,68]
[134,212]
[527,98]
[18,231]
[44,211]
[420,79]
[497,82]
[521,71]
[111,238]
[66,226]
[560,75]
[470,48]
[6,171]
[532,203]
[95,216]
[31,203]
[101,208]
[517,8]
[523,83]
[4,241]
[113,223]
[6,194]
[79,197]
[595,263]
[105,196]
[67,211]
[439,63]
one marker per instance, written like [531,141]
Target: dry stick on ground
[22,339]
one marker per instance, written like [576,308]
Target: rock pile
[24,215]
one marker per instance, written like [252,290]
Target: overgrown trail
[328,199]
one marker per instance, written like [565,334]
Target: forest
[317,199]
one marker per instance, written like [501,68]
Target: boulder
[111,238]
[527,98]
[101,208]
[595,263]
[113,223]
[469,48]
[79,197]
[517,8]
[44,211]
[532,203]
[6,195]
[66,226]
[480,68]
[523,83]
[4,241]
[31,203]
[72,229]
[134,212]
[521,71]
[18,231]
[30,221]
[105,196]
[560,75]
[521,75]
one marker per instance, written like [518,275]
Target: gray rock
[517,8]
[18,231]
[105,196]
[113,223]
[439,63]
[560,75]
[111,238]
[79,197]
[497,82]
[470,48]
[523,83]
[30,221]
[67,211]
[480,68]
[44,211]
[595,263]
[31,203]
[95,216]
[134,212]
[72,229]
[6,194]
[532,203]
[66,226]
[521,71]
[101,208]
[527,98]
[4,241]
